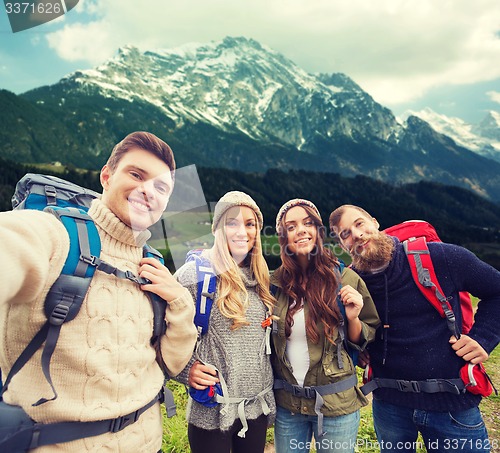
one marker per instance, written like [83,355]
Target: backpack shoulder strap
[207,285]
[339,300]
[159,305]
[425,278]
[66,295]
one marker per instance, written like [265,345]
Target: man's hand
[201,376]
[363,359]
[162,283]
[467,348]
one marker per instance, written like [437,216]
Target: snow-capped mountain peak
[239,84]
[482,138]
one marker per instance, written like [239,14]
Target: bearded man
[413,346]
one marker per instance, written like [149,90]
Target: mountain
[489,127]
[239,105]
[482,138]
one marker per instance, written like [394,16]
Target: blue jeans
[397,429]
[293,432]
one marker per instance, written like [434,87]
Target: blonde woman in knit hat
[235,351]
[315,379]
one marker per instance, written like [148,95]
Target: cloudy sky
[408,54]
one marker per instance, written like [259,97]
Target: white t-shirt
[296,347]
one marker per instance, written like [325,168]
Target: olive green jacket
[323,366]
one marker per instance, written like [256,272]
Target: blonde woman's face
[241,231]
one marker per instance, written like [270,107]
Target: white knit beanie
[235,198]
[292,203]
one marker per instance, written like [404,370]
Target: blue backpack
[70,203]
[206,288]
[218,393]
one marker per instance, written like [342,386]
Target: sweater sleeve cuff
[364,338]
[183,301]
[183,376]
[485,343]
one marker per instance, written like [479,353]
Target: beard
[376,256]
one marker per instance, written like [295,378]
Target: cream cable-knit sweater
[103,366]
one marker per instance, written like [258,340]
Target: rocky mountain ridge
[235,104]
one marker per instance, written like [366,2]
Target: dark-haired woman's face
[301,231]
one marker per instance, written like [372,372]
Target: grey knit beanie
[235,198]
[292,203]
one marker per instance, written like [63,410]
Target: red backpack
[415,234]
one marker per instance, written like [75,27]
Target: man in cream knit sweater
[104,365]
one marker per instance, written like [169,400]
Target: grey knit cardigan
[240,355]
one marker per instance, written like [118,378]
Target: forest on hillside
[459,215]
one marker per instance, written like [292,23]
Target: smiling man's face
[360,236]
[138,190]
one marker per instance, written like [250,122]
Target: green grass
[175,428]
[490,407]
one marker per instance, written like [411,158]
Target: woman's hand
[353,303]
[352,300]
[201,376]
[363,358]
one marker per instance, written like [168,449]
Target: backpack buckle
[51,195]
[309,392]
[129,275]
[59,314]
[303,392]
[408,386]
[92,260]
[122,422]
[425,277]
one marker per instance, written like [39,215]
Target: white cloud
[87,6]
[396,50]
[494,96]
[88,42]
